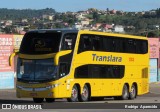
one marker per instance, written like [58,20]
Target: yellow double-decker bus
[81,65]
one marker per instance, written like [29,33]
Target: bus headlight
[52,86]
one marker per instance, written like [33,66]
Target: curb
[154,83]
[7,90]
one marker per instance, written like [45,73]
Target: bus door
[63,71]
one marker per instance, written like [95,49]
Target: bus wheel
[125,93]
[74,95]
[133,92]
[50,100]
[38,100]
[85,94]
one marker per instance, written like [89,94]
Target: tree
[158,12]
[153,34]
[71,21]
[108,19]
[8,30]
[96,16]
[141,25]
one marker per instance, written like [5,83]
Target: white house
[118,28]
[77,26]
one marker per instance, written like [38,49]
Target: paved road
[152,99]
[9,96]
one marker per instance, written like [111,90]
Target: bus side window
[68,42]
[110,71]
[144,46]
[108,44]
[118,47]
[103,71]
[63,69]
[118,71]
[82,71]
[84,44]
[87,43]
[130,46]
[96,43]
[114,71]
[141,46]
[138,47]
[95,71]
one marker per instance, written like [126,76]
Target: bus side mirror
[59,54]
[11,57]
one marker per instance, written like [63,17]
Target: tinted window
[97,43]
[82,72]
[68,41]
[112,44]
[40,43]
[130,46]
[100,71]
[95,71]
[144,47]
[112,71]
[108,44]
[90,43]
[63,69]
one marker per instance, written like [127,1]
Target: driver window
[63,69]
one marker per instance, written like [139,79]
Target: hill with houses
[18,21]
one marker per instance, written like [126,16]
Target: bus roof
[66,30]
[111,34]
[54,30]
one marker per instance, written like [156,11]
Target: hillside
[13,14]
[132,22]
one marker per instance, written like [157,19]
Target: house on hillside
[112,12]
[48,17]
[118,28]
[85,22]
[77,26]
[154,27]
[107,27]
[24,21]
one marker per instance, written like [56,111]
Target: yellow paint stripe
[40,56]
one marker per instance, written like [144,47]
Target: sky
[79,5]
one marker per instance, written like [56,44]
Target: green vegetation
[139,23]
[143,23]
[14,14]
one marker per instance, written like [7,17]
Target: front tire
[74,95]
[38,100]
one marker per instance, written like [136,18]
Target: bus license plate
[33,94]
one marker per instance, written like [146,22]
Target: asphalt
[10,95]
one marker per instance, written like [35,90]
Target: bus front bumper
[36,92]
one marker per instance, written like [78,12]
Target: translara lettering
[110,58]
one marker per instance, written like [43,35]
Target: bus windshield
[40,43]
[36,70]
